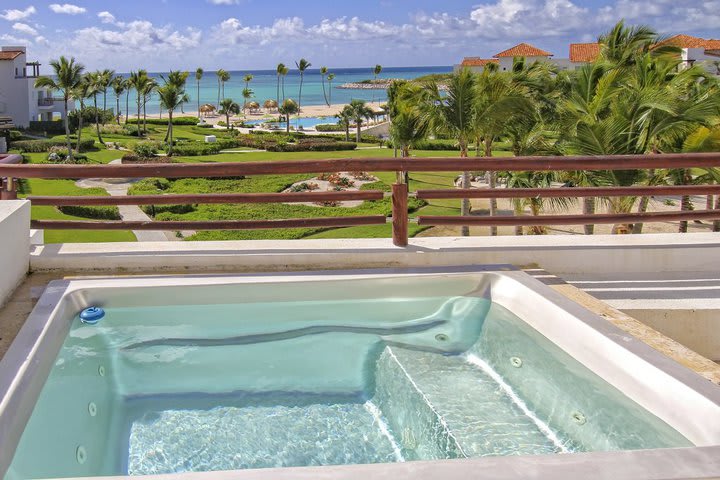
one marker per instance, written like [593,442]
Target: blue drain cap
[92,315]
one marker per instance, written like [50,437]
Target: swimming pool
[192,374]
[305,122]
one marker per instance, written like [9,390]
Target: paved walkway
[119,187]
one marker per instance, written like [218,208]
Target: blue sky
[256,34]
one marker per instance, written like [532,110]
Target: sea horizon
[264,86]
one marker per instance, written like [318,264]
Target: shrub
[146,149]
[88,116]
[436,145]
[100,213]
[53,127]
[203,125]
[196,149]
[304,187]
[113,129]
[330,127]
[311,146]
[38,146]
[190,121]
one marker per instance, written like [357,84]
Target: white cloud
[67,8]
[24,28]
[106,17]
[15,15]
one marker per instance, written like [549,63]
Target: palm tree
[171,97]
[228,108]
[119,86]
[452,113]
[302,65]
[344,118]
[139,81]
[288,108]
[359,112]
[128,87]
[198,76]
[406,126]
[279,71]
[247,94]
[80,93]
[105,80]
[323,73]
[284,73]
[68,74]
[330,78]
[247,79]
[150,87]
[220,75]
[225,77]
[376,71]
[96,82]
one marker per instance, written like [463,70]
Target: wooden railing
[8,174]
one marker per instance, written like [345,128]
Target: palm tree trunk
[329,93]
[492,181]
[465,204]
[97,121]
[358,125]
[518,211]
[218,100]
[138,115]
[170,133]
[287,122]
[323,87]
[145,116]
[300,92]
[127,105]
[104,104]
[685,203]
[277,91]
[589,209]
[198,98]
[283,87]
[347,132]
[67,128]
[642,208]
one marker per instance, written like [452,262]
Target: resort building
[19,99]
[530,53]
[583,53]
[696,50]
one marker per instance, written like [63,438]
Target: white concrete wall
[14,92]
[14,245]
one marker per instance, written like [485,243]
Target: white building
[695,50]
[504,60]
[19,99]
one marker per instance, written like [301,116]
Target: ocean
[264,86]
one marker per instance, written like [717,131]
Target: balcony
[46,102]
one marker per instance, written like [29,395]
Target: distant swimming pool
[304,122]
[229,373]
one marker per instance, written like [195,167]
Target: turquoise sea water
[264,86]
[258,384]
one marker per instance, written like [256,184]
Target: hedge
[436,145]
[329,127]
[164,121]
[49,126]
[37,146]
[100,213]
[311,146]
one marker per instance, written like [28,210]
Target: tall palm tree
[80,93]
[247,79]
[301,65]
[376,71]
[105,80]
[247,94]
[228,107]
[344,119]
[172,95]
[179,79]
[285,71]
[68,74]
[128,87]
[147,92]
[119,86]
[452,113]
[198,76]
[359,113]
[220,75]
[96,83]
[138,80]
[225,77]
[278,70]
[330,78]
[288,108]
[406,125]
[323,74]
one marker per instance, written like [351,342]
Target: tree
[222,75]
[104,82]
[228,108]
[359,112]
[451,113]
[288,108]
[285,71]
[172,95]
[119,87]
[96,82]
[376,71]
[323,74]
[247,94]
[247,79]
[302,65]
[344,118]
[68,74]
[330,78]
[279,71]
[139,81]
[406,126]
[80,93]
[198,76]
[147,92]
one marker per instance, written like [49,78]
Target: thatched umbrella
[253,106]
[270,105]
[207,108]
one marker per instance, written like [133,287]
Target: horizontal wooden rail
[184,199]
[524,220]
[569,192]
[209,225]
[439,164]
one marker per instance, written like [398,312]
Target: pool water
[305,122]
[256,384]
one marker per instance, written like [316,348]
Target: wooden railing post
[7,189]
[400,214]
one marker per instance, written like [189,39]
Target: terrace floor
[599,300]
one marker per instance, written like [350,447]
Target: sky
[257,34]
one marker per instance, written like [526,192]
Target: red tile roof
[584,52]
[523,50]
[10,54]
[477,61]
[688,41]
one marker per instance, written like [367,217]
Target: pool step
[469,413]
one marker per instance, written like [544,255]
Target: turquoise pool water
[167,389]
[305,122]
